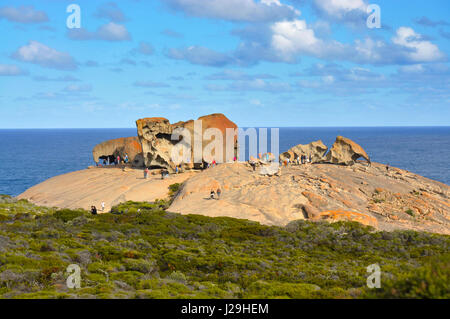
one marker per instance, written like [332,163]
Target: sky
[263,63]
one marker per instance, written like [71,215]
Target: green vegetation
[142,251]
[410,212]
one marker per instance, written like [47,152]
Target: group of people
[213,193]
[94,209]
[299,160]
[117,160]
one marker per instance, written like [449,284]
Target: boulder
[315,149]
[155,136]
[345,152]
[119,147]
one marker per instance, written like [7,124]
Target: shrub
[68,214]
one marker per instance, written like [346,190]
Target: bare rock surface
[385,199]
[82,189]
[388,200]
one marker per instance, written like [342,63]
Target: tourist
[104,162]
[218,193]
[126,159]
[103,206]
[93,210]
[176,169]
[310,158]
[145,173]
[387,168]
[211,194]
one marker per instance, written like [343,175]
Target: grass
[142,251]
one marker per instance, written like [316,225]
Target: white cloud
[108,32]
[23,14]
[113,32]
[235,10]
[38,53]
[75,88]
[341,9]
[421,50]
[200,56]
[292,37]
[144,48]
[111,12]
[11,70]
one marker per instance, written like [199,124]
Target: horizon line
[115,128]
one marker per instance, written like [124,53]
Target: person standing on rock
[145,173]
[93,210]
[103,206]
[387,167]
[211,194]
[218,192]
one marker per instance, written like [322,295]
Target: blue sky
[261,62]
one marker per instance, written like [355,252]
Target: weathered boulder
[315,149]
[155,136]
[345,152]
[119,147]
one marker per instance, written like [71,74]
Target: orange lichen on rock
[316,200]
[338,215]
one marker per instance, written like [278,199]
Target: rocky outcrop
[119,147]
[155,136]
[345,152]
[369,195]
[315,149]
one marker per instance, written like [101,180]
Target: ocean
[30,156]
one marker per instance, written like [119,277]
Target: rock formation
[155,136]
[119,147]
[316,150]
[397,199]
[345,152]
